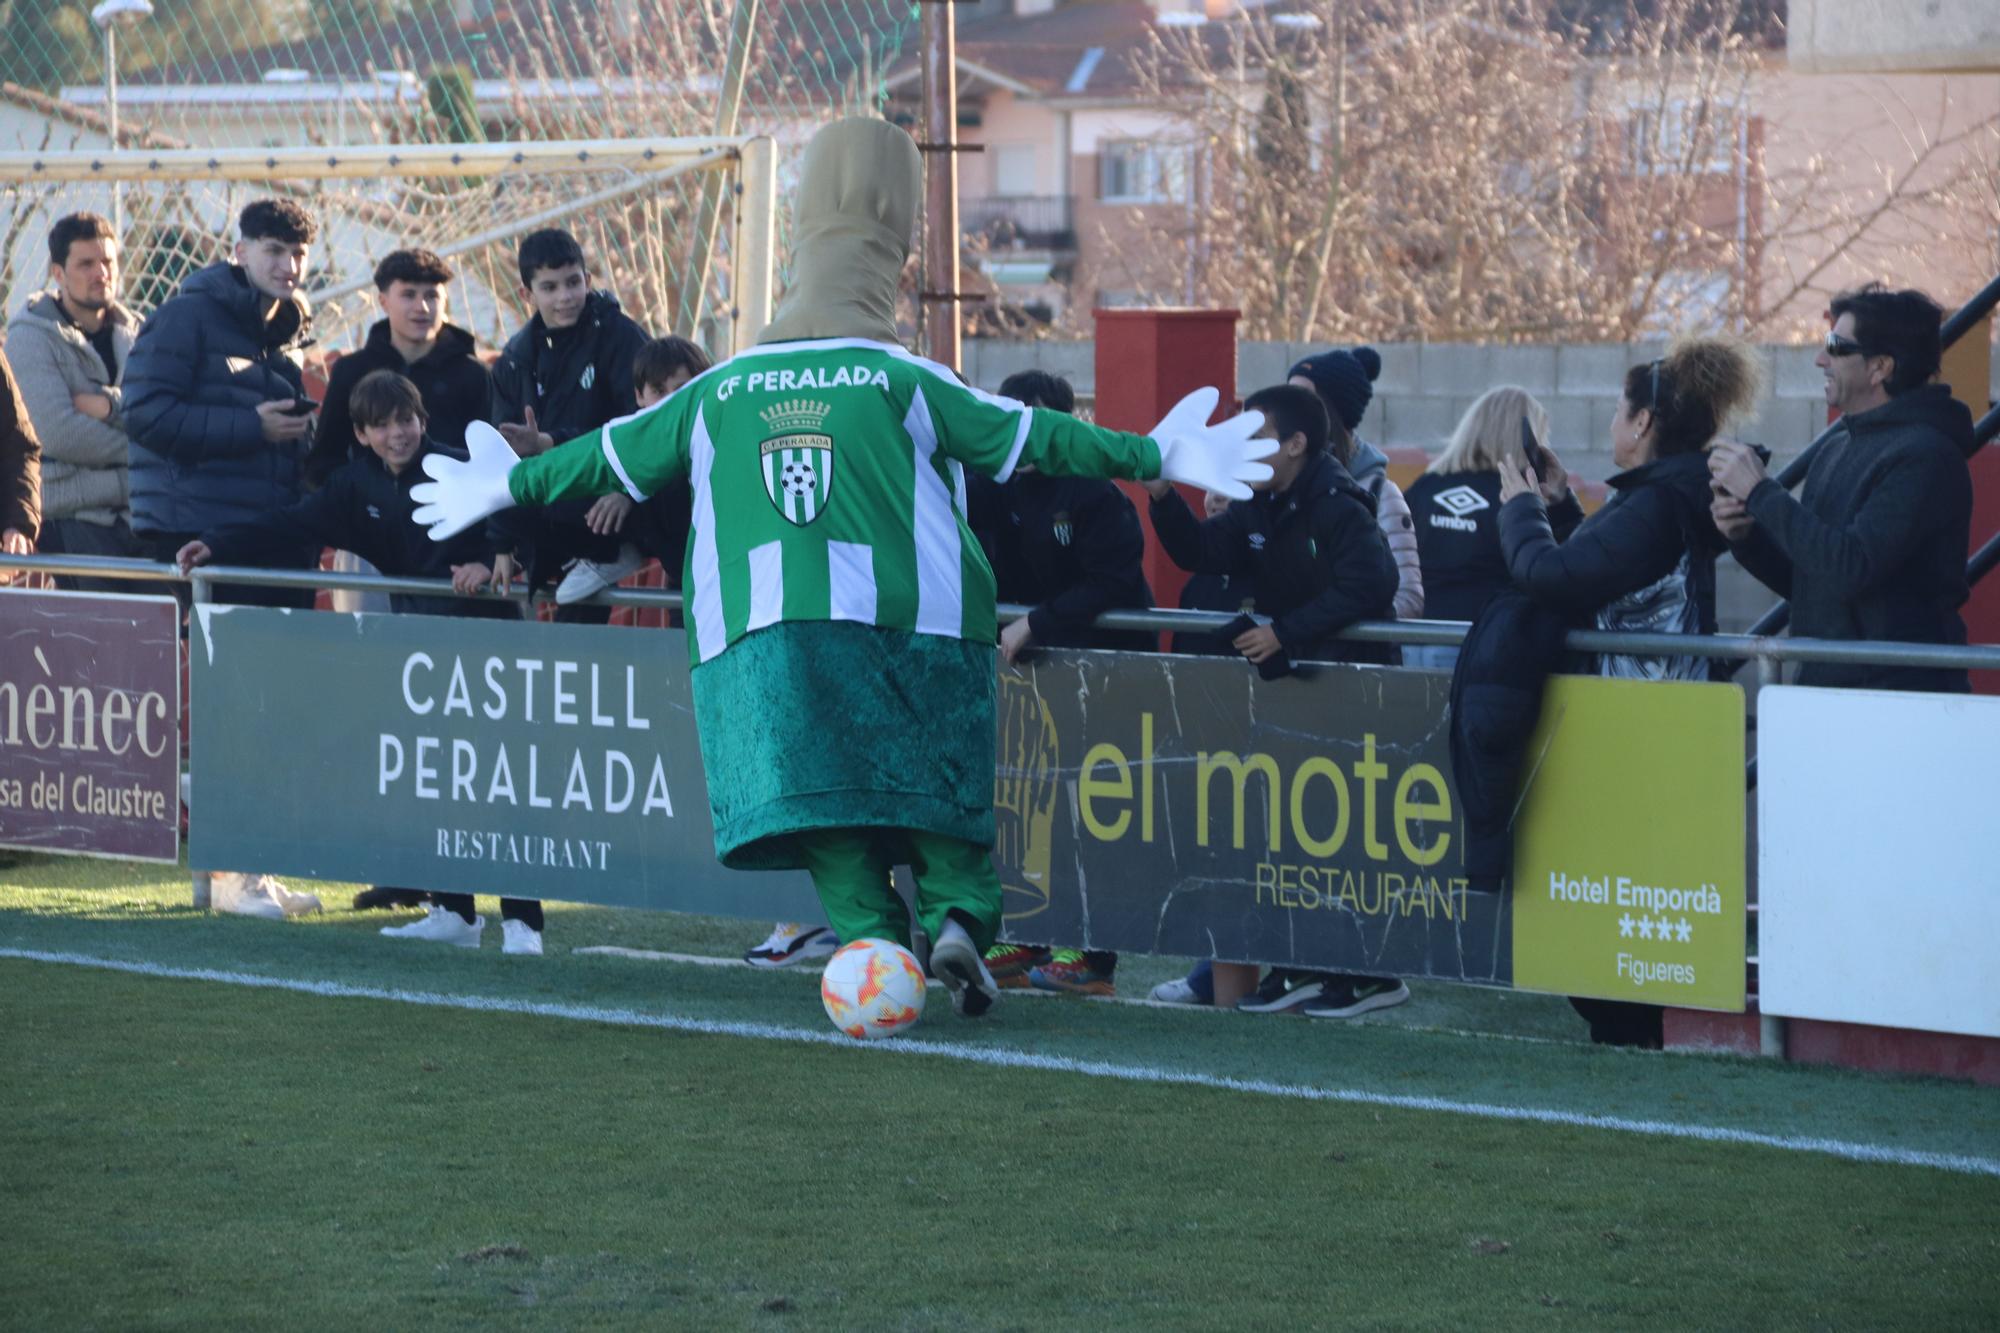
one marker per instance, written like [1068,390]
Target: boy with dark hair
[1070,547]
[657,529]
[365,507]
[566,373]
[215,396]
[1874,545]
[1311,560]
[70,346]
[416,340]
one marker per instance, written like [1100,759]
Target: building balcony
[1021,223]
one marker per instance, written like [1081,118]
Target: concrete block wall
[1425,388]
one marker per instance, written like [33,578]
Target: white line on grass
[1007,1058]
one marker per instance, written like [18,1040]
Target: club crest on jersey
[797,458]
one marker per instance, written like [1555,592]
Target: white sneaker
[292,904]
[244,895]
[587,578]
[956,962]
[520,937]
[440,927]
[1176,991]
[790,943]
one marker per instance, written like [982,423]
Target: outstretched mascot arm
[998,435]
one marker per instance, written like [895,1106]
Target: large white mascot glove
[461,492]
[1221,458]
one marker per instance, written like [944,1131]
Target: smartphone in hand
[1531,448]
[301,407]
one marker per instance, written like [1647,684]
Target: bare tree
[1496,170]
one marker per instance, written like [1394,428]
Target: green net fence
[288,74]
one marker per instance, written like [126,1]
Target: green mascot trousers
[851,869]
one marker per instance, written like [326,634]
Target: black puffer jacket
[1644,562]
[199,367]
[1311,558]
[457,389]
[1874,547]
[575,379]
[1068,546]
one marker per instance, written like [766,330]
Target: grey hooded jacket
[84,460]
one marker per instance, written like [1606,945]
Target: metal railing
[1766,650]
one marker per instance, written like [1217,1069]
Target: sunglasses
[1837,346]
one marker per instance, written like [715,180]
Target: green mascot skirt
[817,725]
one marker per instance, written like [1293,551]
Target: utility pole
[939,296]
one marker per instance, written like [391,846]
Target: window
[1682,134]
[1013,170]
[1140,171]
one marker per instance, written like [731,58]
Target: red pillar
[1148,360]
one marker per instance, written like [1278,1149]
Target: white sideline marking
[1132,1001]
[1006,1058]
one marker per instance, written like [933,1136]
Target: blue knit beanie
[1345,381]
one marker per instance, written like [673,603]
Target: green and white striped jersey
[828,485]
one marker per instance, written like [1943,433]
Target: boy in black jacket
[565,374]
[416,341]
[365,507]
[1305,548]
[1310,556]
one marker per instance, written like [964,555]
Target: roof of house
[129,136]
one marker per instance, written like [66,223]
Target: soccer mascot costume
[839,611]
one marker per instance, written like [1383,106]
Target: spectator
[1071,547]
[657,529]
[1874,546]
[1304,560]
[562,376]
[216,409]
[1456,506]
[20,470]
[414,339]
[70,347]
[365,507]
[1345,383]
[1646,560]
[215,400]
[1316,562]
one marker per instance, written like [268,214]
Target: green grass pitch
[198,1154]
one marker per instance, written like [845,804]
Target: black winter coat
[364,509]
[199,367]
[1875,545]
[1496,698]
[456,386]
[1645,561]
[575,379]
[1457,518]
[1312,558]
[1070,547]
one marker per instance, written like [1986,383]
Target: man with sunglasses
[1874,546]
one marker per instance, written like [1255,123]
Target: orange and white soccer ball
[872,988]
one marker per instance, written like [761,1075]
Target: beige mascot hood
[857,205]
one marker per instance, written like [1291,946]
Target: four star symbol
[1645,928]
[1625,926]
[1684,932]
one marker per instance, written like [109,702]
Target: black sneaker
[1351,997]
[1283,989]
[381,900]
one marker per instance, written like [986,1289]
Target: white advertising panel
[1879,858]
